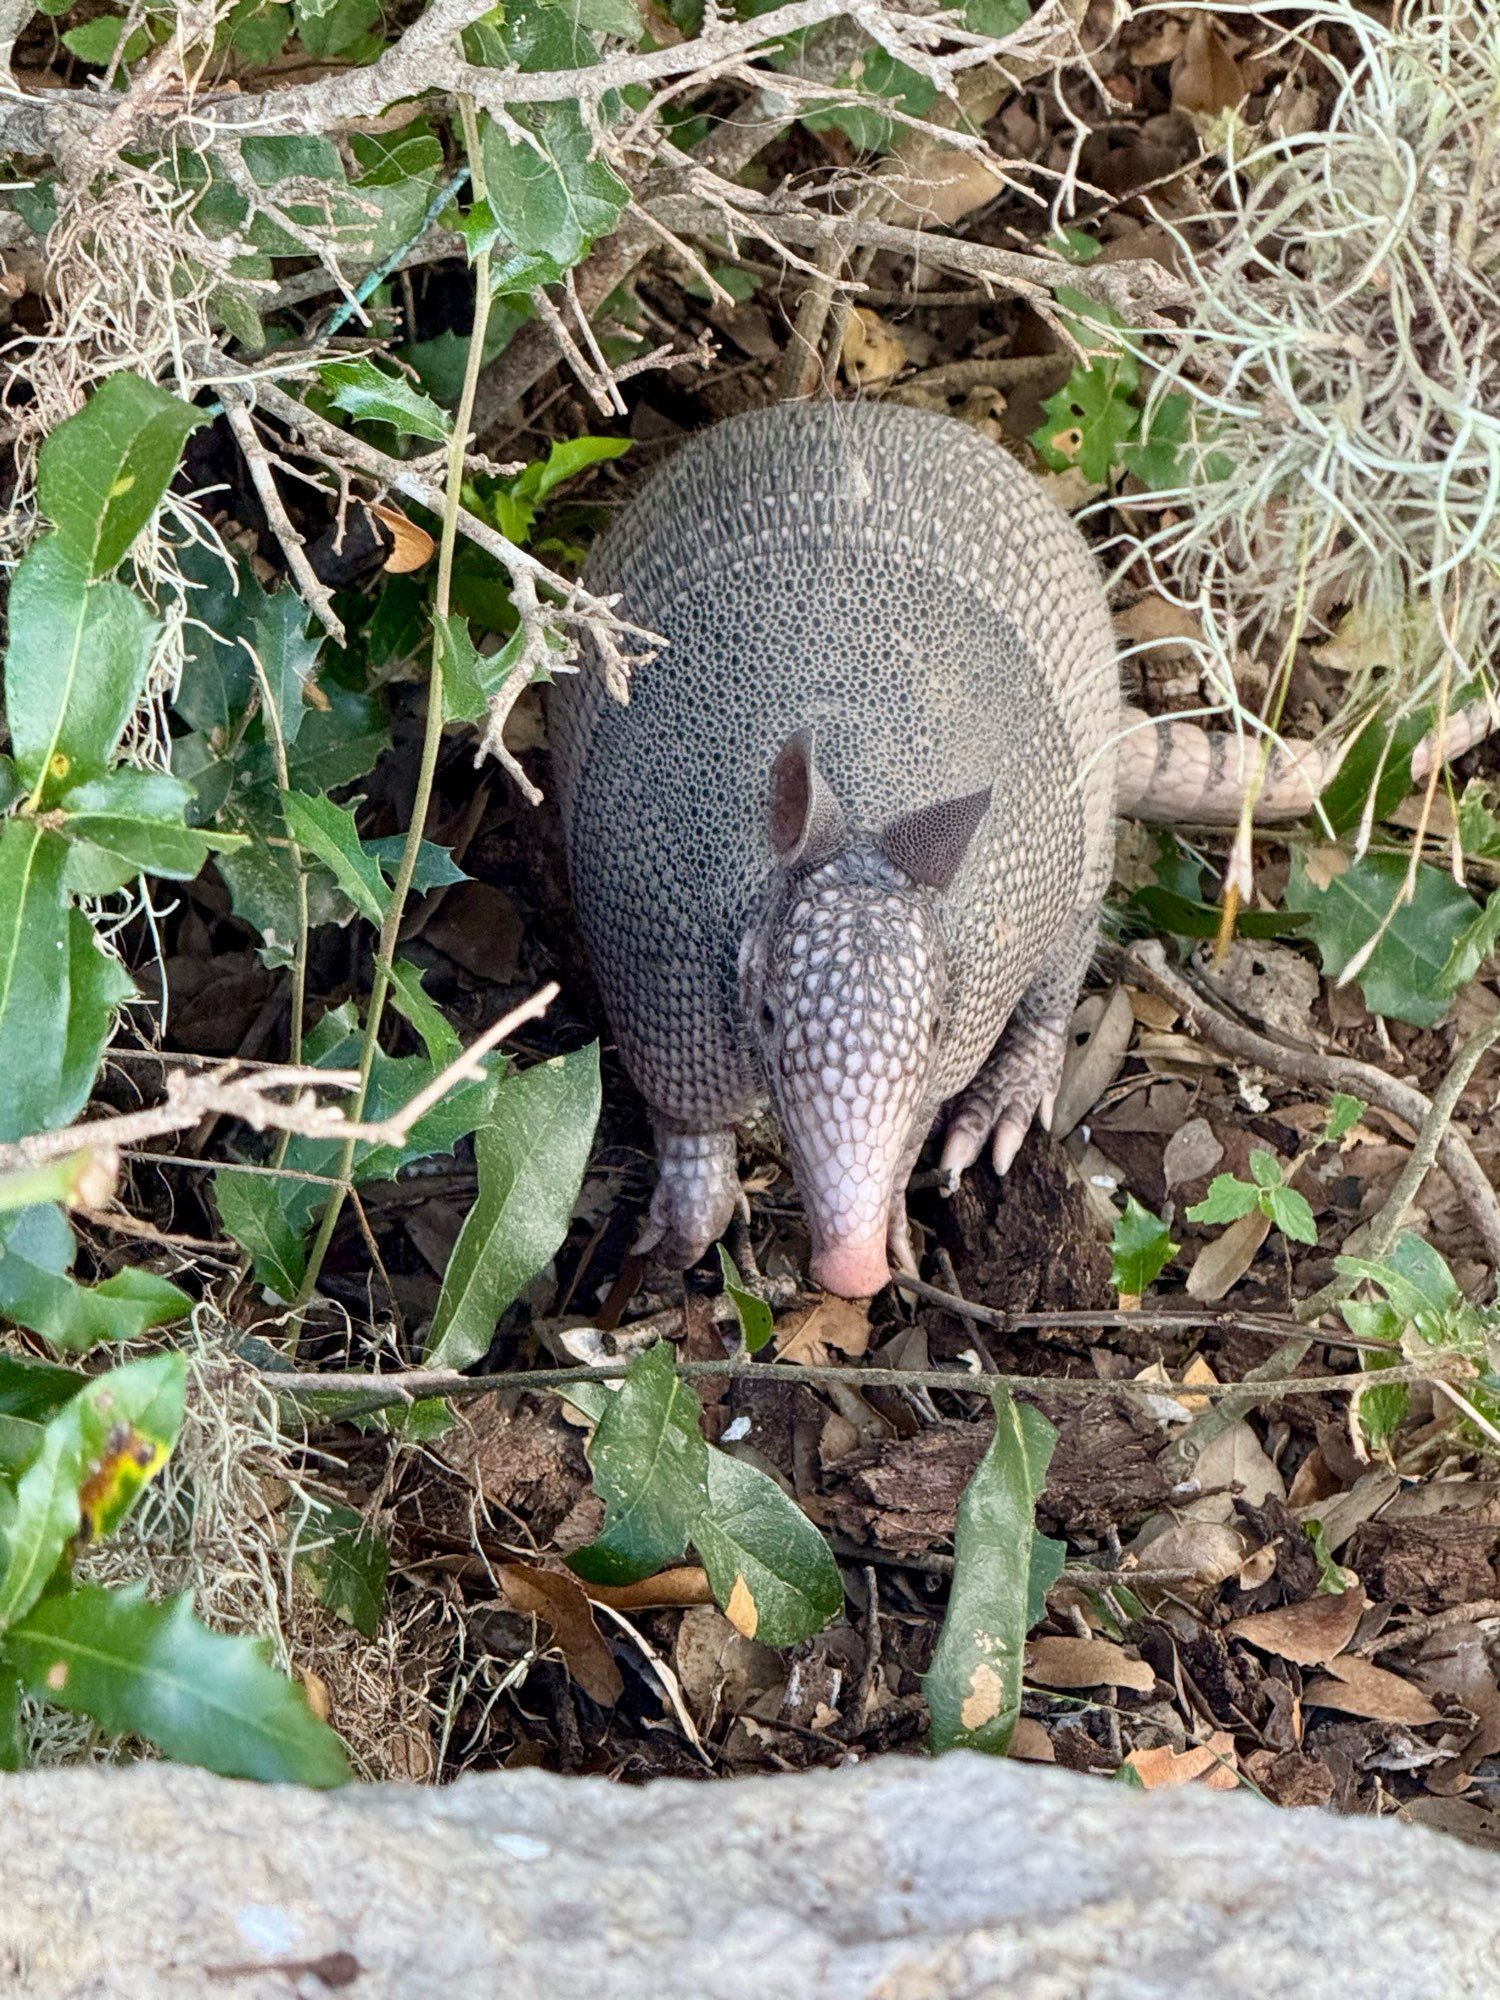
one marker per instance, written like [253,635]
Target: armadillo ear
[807,823]
[930,843]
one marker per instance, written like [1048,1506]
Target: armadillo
[843,852]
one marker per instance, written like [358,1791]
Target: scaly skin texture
[857,814]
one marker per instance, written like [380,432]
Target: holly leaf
[1140,1249]
[1402,977]
[554,198]
[371,395]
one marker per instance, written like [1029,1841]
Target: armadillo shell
[902,587]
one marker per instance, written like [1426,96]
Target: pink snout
[854,1269]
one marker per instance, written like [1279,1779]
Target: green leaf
[370,395]
[251,1208]
[532,1150]
[754,1314]
[1402,977]
[37,1249]
[288,654]
[98,985]
[410,998]
[328,831]
[973,1688]
[349,1569]
[1086,423]
[435,869]
[1379,756]
[879,75]
[33,978]
[1415,1278]
[133,821]
[566,459]
[650,1467]
[1226,1201]
[96,41]
[153,1671]
[552,198]
[997,18]
[75,669]
[1472,947]
[771,1571]
[1140,1249]
[1265,1168]
[101,474]
[1291,1214]
[1344,1113]
[95,1456]
[338,29]
[31,1394]
[1155,456]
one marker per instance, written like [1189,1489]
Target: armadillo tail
[1171,771]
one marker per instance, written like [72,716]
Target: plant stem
[390,930]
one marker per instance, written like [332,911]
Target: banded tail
[1171,771]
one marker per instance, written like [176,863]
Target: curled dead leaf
[871,353]
[668,1590]
[558,1600]
[411,546]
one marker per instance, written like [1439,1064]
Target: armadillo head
[843,984]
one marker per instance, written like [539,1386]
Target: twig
[227,1093]
[316,594]
[359,1394]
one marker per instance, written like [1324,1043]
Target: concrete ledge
[895,1880]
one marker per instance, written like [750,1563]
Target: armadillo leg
[1020,1079]
[696,1194]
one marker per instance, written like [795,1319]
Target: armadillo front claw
[696,1195]
[1017,1084]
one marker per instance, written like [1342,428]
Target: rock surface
[897,1880]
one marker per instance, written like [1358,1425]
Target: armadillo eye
[767,1014]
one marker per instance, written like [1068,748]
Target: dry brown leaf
[1355,1686]
[319,1700]
[1235,1460]
[1221,1264]
[1091,1067]
[742,1611]
[1086,1663]
[1191,1154]
[1195,1375]
[1212,1762]
[1310,1633]
[1258,1569]
[1193,1557]
[1271,983]
[411,546]
[666,1591]
[835,1323]
[1149,1009]
[1030,1742]
[559,1601]
[1323,864]
[1205,78]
